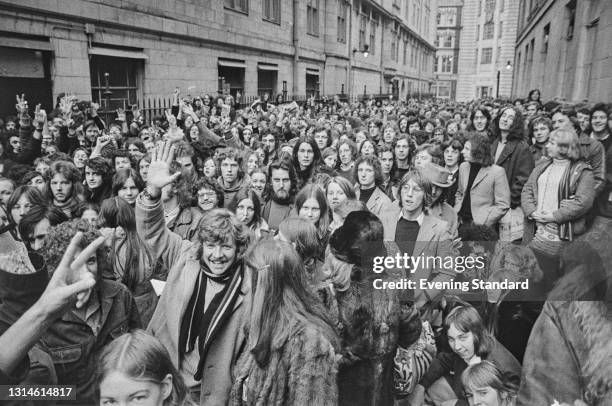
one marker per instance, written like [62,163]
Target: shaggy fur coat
[302,372]
[371,324]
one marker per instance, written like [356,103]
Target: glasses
[411,189]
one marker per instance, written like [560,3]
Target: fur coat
[302,372]
[371,324]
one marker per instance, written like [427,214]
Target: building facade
[563,49]
[118,52]
[487,40]
[448,37]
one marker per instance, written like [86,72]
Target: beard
[282,200]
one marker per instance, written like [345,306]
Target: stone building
[563,48]
[448,37]
[488,34]
[119,52]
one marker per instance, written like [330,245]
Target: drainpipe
[349,73]
[296,46]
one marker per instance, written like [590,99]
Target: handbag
[511,225]
[412,363]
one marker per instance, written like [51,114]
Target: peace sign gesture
[22,104]
[66,107]
[40,116]
[71,281]
[120,114]
[171,119]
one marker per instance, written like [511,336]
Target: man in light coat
[204,304]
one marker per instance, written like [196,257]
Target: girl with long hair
[21,201]
[306,159]
[98,180]
[136,367]
[132,262]
[127,184]
[290,356]
[310,204]
[247,207]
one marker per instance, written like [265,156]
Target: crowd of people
[223,253]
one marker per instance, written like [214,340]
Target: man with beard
[270,147]
[232,178]
[199,318]
[278,207]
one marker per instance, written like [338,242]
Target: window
[487,31]
[266,82]
[342,10]
[393,46]
[271,10]
[477,32]
[438,41]
[363,21]
[405,51]
[122,80]
[501,5]
[447,17]
[449,39]
[479,8]
[446,65]
[498,55]
[486,57]
[489,7]
[500,29]
[545,38]
[373,25]
[237,5]
[571,14]
[312,17]
[438,18]
[476,57]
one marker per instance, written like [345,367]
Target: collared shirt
[418,219]
[500,147]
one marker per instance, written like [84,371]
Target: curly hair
[480,149]
[222,226]
[516,130]
[57,241]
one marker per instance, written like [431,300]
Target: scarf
[201,324]
[67,206]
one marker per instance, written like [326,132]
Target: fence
[153,107]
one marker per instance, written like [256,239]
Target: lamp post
[508,67]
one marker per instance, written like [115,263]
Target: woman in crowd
[480,120]
[369,179]
[486,385]
[337,191]
[248,210]
[98,176]
[21,201]
[368,148]
[310,204]
[556,198]
[127,184]
[386,157]
[452,159]
[64,187]
[290,356]
[210,169]
[539,131]
[136,368]
[35,179]
[131,260]
[251,163]
[210,195]
[79,157]
[511,152]
[470,344]
[483,194]
[306,160]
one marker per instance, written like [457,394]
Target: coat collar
[427,232]
[482,173]
[506,152]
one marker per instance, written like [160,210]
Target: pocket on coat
[65,355]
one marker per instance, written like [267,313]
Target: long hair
[222,226]
[487,374]
[467,320]
[314,191]
[31,193]
[248,194]
[134,265]
[282,300]
[422,182]
[568,143]
[306,174]
[344,185]
[485,112]
[123,175]
[516,130]
[285,166]
[72,175]
[142,357]
[101,167]
[480,149]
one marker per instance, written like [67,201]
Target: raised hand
[103,141]
[171,119]
[22,104]
[40,116]
[159,169]
[66,107]
[71,281]
[135,111]
[121,115]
